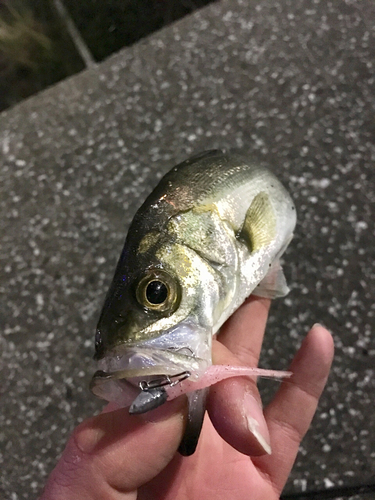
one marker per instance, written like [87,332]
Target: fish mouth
[123,372]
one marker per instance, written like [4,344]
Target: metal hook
[170,380]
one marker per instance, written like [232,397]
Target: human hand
[117,456]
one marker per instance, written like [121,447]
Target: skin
[121,457]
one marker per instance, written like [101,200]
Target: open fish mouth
[129,367]
[124,373]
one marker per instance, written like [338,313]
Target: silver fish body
[209,235]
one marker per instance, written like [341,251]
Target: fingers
[234,405]
[112,454]
[235,409]
[243,333]
[290,413]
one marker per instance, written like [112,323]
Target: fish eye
[158,291]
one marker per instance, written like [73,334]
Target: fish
[210,234]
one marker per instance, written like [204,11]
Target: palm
[216,471]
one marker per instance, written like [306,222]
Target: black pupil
[156,292]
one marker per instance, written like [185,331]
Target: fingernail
[316,325]
[319,325]
[256,422]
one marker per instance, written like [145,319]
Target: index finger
[243,333]
[234,405]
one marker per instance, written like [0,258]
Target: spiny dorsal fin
[259,227]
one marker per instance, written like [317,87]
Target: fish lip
[134,361]
[119,377]
[184,347]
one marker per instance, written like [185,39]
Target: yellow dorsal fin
[259,227]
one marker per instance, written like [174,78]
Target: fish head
[157,319]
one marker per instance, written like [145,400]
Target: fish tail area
[196,411]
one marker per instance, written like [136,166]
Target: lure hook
[166,380]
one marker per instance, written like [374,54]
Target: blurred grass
[22,39]
[36,50]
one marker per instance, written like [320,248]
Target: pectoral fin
[259,227]
[196,411]
[274,284]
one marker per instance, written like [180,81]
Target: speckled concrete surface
[322,496]
[331,494]
[293,86]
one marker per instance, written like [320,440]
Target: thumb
[112,454]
